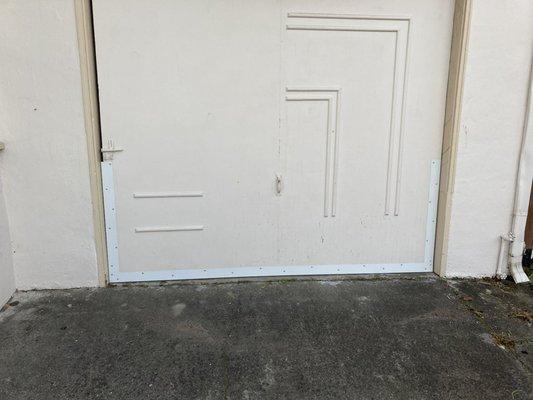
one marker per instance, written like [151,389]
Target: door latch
[109,150]
[279,184]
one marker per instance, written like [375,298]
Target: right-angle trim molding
[331,95]
[400,26]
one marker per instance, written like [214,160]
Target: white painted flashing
[247,272]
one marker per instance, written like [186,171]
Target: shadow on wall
[7,280]
[527,260]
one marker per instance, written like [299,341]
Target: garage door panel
[267,137]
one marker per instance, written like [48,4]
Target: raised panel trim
[331,95]
[159,195]
[184,228]
[400,26]
[349,16]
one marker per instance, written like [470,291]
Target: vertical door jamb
[86,48]
[461,27]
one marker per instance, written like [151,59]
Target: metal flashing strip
[110,216]
[431,223]
[115,276]
[249,272]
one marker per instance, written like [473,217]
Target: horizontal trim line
[339,28]
[307,97]
[167,194]
[313,89]
[349,16]
[169,228]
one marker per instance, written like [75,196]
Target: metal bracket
[109,150]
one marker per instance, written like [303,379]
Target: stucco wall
[7,279]
[494,103]
[45,167]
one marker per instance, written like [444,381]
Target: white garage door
[270,137]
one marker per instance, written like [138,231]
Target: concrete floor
[392,338]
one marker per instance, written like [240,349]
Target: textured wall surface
[45,167]
[494,103]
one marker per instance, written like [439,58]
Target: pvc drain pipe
[524,178]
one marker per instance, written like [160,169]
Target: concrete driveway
[388,338]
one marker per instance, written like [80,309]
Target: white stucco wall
[45,167]
[494,103]
[7,279]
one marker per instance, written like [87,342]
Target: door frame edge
[91,111]
[451,129]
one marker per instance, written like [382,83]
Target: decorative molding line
[170,228]
[349,16]
[331,95]
[400,27]
[160,195]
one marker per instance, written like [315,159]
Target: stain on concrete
[177,309]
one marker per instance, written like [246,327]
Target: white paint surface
[44,166]
[7,278]
[311,93]
[496,84]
